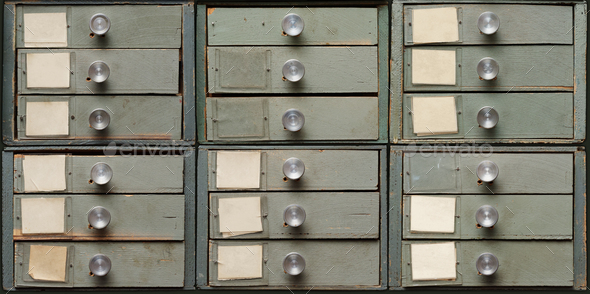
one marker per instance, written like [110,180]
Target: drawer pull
[100,24]
[293,120]
[99,119]
[292,24]
[487,171]
[99,71]
[293,264]
[487,264]
[100,265]
[101,173]
[294,215]
[293,168]
[99,217]
[487,117]
[486,216]
[488,23]
[293,70]
[488,69]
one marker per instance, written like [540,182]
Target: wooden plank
[8,73]
[580,248]
[394,215]
[580,69]
[200,74]
[190,217]
[189,129]
[384,63]
[396,60]
[7,206]
[202,214]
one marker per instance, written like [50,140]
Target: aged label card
[45,30]
[44,172]
[48,263]
[239,262]
[47,118]
[432,214]
[435,25]
[434,261]
[42,215]
[433,67]
[238,169]
[239,216]
[434,115]
[48,70]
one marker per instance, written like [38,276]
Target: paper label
[238,169]
[239,216]
[434,115]
[239,262]
[432,214]
[434,261]
[45,30]
[433,67]
[48,263]
[435,25]
[48,118]
[42,215]
[48,70]
[44,172]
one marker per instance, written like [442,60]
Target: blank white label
[239,262]
[435,25]
[238,169]
[433,67]
[47,118]
[45,30]
[434,261]
[432,214]
[434,115]
[42,215]
[239,216]
[48,70]
[44,172]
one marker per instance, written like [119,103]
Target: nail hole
[88,79]
[478,226]
[285,179]
[90,181]
[91,35]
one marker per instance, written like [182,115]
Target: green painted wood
[133,217]
[339,215]
[580,248]
[519,24]
[200,74]
[384,63]
[202,214]
[134,264]
[8,73]
[394,215]
[396,61]
[188,73]
[553,116]
[520,173]
[580,68]
[522,68]
[7,201]
[132,26]
[259,69]
[131,72]
[190,217]
[262,26]
[325,264]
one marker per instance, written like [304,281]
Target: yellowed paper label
[48,70]
[432,214]
[48,263]
[48,118]
[44,172]
[239,216]
[45,30]
[239,262]
[433,67]
[435,25]
[434,115]
[238,169]
[434,261]
[42,215]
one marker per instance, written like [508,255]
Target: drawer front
[130,174]
[341,215]
[132,217]
[133,264]
[262,26]
[522,263]
[325,264]
[553,116]
[259,69]
[131,71]
[131,117]
[520,173]
[132,26]
[519,217]
[260,119]
[521,68]
[519,24]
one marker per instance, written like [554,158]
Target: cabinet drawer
[130,173]
[131,71]
[260,69]
[341,215]
[518,24]
[133,264]
[132,26]
[261,119]
[131,117]
[262,26]
[337,263]
[518,217]
[130,217]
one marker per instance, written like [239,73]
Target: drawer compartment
[262,26]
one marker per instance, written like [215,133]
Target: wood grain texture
[580,230]
[190,217]
[8,73]
[188,89]
[7,202]
[580,69]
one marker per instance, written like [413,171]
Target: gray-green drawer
[260,119]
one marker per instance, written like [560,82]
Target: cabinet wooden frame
[189,179]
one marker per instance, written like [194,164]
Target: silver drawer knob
[99,217]
[293,264]
[101,173]
[294,215]
[487,171]
[487,117]
[100,24]
[293,120]
[100,265]
[293,70]
[99,71]
[99,119]
[488,23]
[487,264]
[486,216]
[488,68]
[293,168]
[292,24]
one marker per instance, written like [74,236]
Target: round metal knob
[99,217]
[486,216]
[99,71]
[487,117]
[293,120]
[100,24]
[488,68]
[487,171]
[487,264]
[488,23]
[293,70]
[101,173]
[292,24]
[99,119]
[294,215]
[100,265]
[293,168]
[293,264]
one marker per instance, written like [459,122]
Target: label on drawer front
[44,172]
[239,262]
[432,214]
[434,115]
[434,261]
[47,118]
[435,25]
[42,215]
[238,169]
[48,70]
[48,263]
[239,216]
[45,30]
[433,67]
